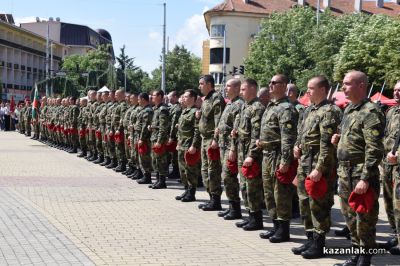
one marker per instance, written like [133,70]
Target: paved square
[57,209]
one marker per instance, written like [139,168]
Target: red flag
[12,104]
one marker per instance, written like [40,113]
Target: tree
[134,75]
[183,69]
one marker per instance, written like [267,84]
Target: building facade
[240,20]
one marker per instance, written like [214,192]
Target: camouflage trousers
[251,189]
[277,196]
[173,159]
[36,129]
[362,225]
[160,162]
[21,126]
[315,213]
[91,139]
[101,143]
[396,203]
[28,127]
[134,156]
[389,174]
[83,141]
[210,170]
[111,150]
[145,160]
[43,131]
[126,147]
[231,181]
[120,149]
[75,138]
[189,174]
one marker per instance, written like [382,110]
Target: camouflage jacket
[175,112]
[96,115]
[316,128]
[160,124]
[211,111]
[143,120]
[103,113]
[247,124]
[226,122]
[73,116]
[361,133]
[188,130]
[279,129]
[92,105]
[392,128]
[117,114]
[110,110]
[83,118]
[126,120]
[133,118]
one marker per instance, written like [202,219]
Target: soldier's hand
[258,144]
[361,187]
[216,131]
[232,156]
[149,128]
[296,152]
[140,142]
[214,144]
[157,145]
[233,133]
[283,168]
[392,158]
[198,114]
[192,150]
[170,141]
[315,175]
[335,139]
[248,161]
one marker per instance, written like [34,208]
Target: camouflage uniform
[102,143]
[73,125]
[143,120]
[277,138]
[134,135]
[111,142]
[28,120]
[91,138]
[21,120]
[248,123]
[359,153]
[175,112]
[43,123]
[316,129]
[211,111]
[188,136]
[225,127]
[390,170]
[116,122]
[126,120]
[160,126]
[83,120]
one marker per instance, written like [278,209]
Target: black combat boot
[129,170]
[190,196]
[106,161]
[73,150]
[121,167]
[157,180]
[352,261]
[161,183]
[235,212]
[305,246]
[202,205]
[364,260]
[224,212]
[137,175]
[112,164]
[395,250]
[175,173]
[244,222]
[267,234]
[255,222]
[99,160]
[82,154]
[389,244]
[88,155]
[93,156]
[146,179]
[282,234]
[200,181]
[345,232]
[316,250]
[183,194]
[214,204]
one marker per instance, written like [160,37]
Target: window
[217,30]
[218,77]
[217,55]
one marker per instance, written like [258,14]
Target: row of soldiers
[263,152]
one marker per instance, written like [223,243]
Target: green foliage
[182,71]
[291,43]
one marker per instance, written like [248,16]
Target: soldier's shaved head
[355,86]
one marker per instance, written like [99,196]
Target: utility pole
[47,60]
[224,65]
[163,49]
[51,68]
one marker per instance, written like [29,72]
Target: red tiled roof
[268,6]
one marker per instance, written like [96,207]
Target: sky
[137,24]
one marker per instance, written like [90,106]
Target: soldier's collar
[317,106]
[281,100]
[358,106]
[235,99]
[252,101]
[210,94]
